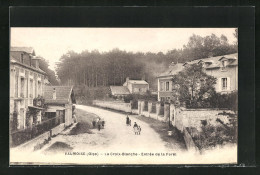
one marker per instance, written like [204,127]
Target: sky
[52,43]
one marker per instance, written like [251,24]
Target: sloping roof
[29,50]
[172,70]
[13,61]
[215,63]
[137,82]
[63,94]
[119,90]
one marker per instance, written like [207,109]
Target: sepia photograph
[123,96]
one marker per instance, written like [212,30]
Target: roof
[172,70]
[214,62]
[13,61]
[119,90]
[137,82]
[29,50]
[63,94]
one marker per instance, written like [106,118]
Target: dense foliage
[210,136]
[94,68]
[196,89]
[193,85]
[135,97]
[44,65]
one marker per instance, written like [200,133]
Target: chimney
[127,79]
[54,94]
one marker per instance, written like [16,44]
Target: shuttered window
[167,86]
[225,84]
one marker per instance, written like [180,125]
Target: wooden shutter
[170,86]
[219,85]
[228,84]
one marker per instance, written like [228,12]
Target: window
[161,86]
[22,87]
[39,87]
[224,64]
[167,86]
[22,58]
[224,83]
[30,58]
[31,88]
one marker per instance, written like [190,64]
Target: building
[119,91]
[130,87]
[59,102]
[26,88]
[136,86]
[224,68]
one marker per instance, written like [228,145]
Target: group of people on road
[137,129]
[100,123]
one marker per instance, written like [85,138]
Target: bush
[210,136]
[128,98]
[136,97]
[217,100]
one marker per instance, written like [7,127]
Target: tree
[94,68]
[44,65]
[192,85]
[236,36]
[203,47]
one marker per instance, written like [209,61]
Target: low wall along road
[181,118]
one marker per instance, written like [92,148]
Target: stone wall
[193,117]
[34,143]
[189,141]
[181,118]
[120,106]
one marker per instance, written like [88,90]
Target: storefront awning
[35,107]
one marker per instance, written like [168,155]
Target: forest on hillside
[95,69]
[44,65]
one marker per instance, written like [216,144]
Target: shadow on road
[84,124]
[58,147]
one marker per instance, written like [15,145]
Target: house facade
[26,88]
[130,87]
[223,68]
[136,86]
[59,103]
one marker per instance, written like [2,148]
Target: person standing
[99,125]
[127,120]
[139,130]
[74,118]
[94,123]
[135,128]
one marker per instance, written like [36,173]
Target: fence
[20,136]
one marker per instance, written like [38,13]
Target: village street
[109,143]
